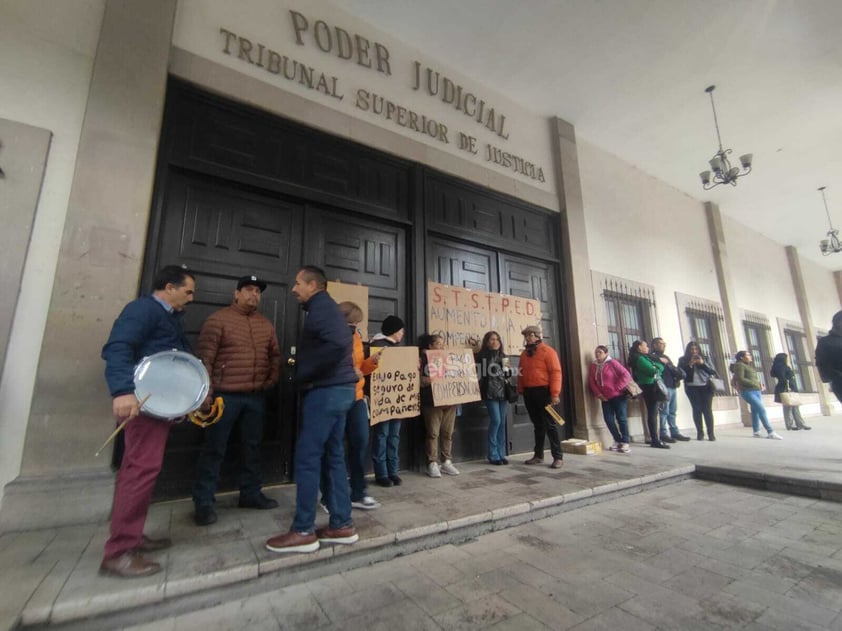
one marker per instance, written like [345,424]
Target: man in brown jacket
[239,348]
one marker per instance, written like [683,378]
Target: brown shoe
[153,545]
[293,542]
[128,565]
[534,460]
[347,535]
[557,463]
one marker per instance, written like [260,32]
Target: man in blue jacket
[325,374]
[146,326]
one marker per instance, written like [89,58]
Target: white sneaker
[366,503]
[758,434]
[433,470]
[774,436]
[614,447]
[448,468]
[624,448]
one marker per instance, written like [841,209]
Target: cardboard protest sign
[395,385]
[462,316]
[358,294]
[453,376]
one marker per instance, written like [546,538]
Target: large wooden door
[529,279]
[472,267]
[222,231]
[362,251]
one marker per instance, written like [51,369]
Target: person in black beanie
[387,434]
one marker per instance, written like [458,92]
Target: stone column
[99,268]
[576,291]
[807,319]
[726,292]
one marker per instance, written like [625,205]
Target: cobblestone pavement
[690,555]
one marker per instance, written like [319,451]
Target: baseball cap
[251,280]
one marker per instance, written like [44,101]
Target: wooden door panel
[530,279]
[370,253]
[354,250]
[221,232]
[470,267]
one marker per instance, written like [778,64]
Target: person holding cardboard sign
[540,384]
[439,420]
[387,434]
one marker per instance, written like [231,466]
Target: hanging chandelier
[830,245]
[723,172]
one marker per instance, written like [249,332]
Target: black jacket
[325,346]
[786,379]
[829,357]
[672,374]
[492,374]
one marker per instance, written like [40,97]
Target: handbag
[717,384]
[511,392]
[790,398]
[661,393]
[633,390]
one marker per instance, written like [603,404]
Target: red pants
[145,439]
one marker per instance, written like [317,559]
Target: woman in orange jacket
[539,381]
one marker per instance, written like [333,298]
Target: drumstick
[122,425]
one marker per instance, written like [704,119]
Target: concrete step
[125,602]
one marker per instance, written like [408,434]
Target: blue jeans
[356,432]
[758,412]
[616,408]
[384,451]
[497,411]
[249,409]
[667,414]
[323,413]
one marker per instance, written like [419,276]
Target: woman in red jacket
[539,381]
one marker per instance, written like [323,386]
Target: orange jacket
[365,365]
[542,369]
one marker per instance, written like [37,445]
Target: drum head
[177,383]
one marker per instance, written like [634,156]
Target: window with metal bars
[705,331]
[627,322]
[799,359]
[757,338]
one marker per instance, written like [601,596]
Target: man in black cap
[829,356]
[387,434]
[239,348]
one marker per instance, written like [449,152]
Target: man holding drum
[146,326]
[239,348]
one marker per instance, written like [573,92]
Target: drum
[176,383]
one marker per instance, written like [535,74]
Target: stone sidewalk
[690,555]
[51,578]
